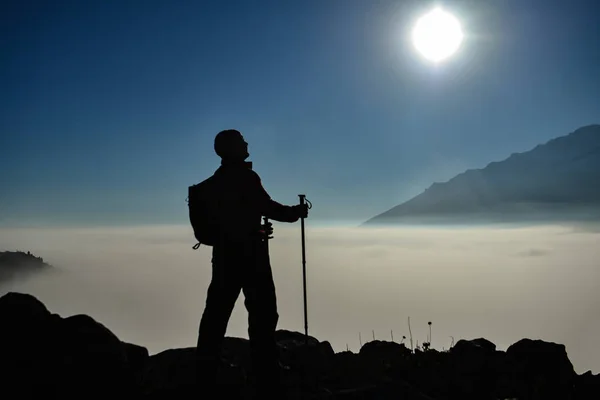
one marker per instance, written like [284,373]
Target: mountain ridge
[558,176]
[20,263]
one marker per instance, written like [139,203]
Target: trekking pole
[302,200]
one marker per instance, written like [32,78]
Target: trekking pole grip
[304,200]
[266,224]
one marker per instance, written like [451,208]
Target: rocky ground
[43,355]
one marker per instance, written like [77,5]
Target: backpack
[203,211]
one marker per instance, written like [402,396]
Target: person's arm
[271,208]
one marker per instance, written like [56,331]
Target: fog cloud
[148,286]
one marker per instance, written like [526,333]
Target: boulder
[90,355]
[297,352]
[540,370]
[136,356]
[43,353]
[289,339]
[21,314]
[383,350]
[348,372]
[306,360]
[381,358]
[24,344]
[172,374]
[236,351]
[587,386]
[472,369]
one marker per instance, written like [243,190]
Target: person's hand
[302,210]
[267,230]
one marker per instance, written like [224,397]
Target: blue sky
[108,109]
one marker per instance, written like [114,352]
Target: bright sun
[437,35]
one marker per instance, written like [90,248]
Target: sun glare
[437,35]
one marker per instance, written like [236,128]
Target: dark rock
[587,386]
[42,353]
[170,369]
[468,345]
[23,343]
[172,373]
[288,339]
[90,354]
[22,311]
[383,350]
[472,354]
[540,370]
[473,372]
[348,372]
[82,335]
[430,371]
[387,391]
[381,357]
[236,351]
[136,356]
[306,355]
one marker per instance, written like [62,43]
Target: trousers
[243,267]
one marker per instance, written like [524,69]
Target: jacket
[242,201]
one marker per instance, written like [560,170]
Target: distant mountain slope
[14,263]
[556,180]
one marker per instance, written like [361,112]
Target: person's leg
[261,303]
[222,294]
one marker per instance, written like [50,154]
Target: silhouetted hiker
[240,262]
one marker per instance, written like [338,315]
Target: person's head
[231,146]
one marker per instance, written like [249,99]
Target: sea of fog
[148,285]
